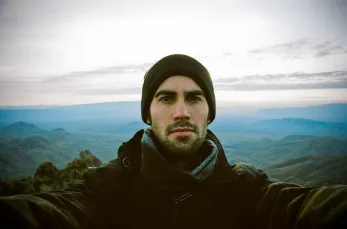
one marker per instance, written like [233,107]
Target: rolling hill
[24,145]
[310,171]
[20,157]
[268,152]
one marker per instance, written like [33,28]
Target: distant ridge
[301,126]
[21,129]
[97,111]
[20,126]
[60,106]
[328,112]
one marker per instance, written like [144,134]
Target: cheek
[159,125]
[159,117]
[200,114]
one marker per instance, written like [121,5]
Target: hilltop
[21,130]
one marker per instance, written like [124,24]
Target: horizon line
[226,105]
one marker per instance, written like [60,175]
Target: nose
[181,111]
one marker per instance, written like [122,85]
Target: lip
[178,130]
[182,132]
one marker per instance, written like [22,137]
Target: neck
[185,162]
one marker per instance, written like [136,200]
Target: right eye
[165,99]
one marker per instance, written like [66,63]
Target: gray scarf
[201,172]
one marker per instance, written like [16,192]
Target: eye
[165,99]
[194,99]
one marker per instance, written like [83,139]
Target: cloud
[108,91]
[322,80]
[100,81]
[301,49]
[123,69]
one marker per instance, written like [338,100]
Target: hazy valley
[310,149]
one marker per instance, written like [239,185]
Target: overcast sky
[264,53]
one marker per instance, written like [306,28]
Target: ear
[149,121]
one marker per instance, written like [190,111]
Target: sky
[263,53]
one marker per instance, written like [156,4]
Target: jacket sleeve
[284,205]
[82,205]
[67,209]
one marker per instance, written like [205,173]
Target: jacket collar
[157,172]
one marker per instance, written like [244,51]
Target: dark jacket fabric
[122,195]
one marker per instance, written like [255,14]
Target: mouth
[177,130]
[182,132]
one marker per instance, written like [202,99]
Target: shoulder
[107,175]
[248,171]
[113,173]
[252,176]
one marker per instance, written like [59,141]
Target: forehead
[179,83]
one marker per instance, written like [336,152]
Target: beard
[180,147]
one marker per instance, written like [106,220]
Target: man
[175,174]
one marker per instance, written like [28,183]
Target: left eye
[194,99]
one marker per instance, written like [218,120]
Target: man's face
[179,116]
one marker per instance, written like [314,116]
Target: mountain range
[125,112]
[24,145]
[287,147]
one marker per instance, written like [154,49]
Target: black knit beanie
[171,65]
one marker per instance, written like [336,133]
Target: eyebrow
[172,92]
[195,93]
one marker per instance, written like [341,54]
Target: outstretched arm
[289,206]
[68,209]
[85,204]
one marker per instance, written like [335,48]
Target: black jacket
[118,195]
